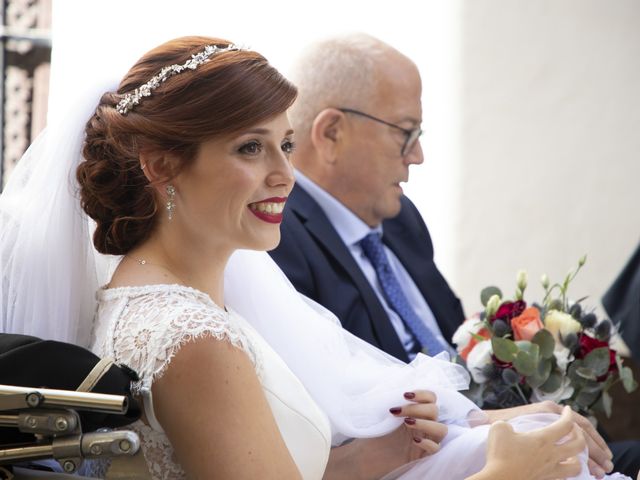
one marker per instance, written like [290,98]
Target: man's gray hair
[336,72]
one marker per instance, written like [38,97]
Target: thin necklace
[142,261]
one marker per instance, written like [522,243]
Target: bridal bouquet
[552,350]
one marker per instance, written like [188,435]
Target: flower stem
[519,390]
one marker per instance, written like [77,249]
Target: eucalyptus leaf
[553,383]
[529,347]
[504,349]
[593,386]
[587,399]
[598,360]
[629,384]
[607,404]
[544,368]
[586,372]
[545,341]
[525,363]
[541,375]
[489,292]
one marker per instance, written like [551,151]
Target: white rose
[565,391]
[478,358]
[561,324]
[463,334]
[563,356]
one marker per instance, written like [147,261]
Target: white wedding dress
[144,327]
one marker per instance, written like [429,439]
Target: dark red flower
[499,363]
[586,344]
[509,310]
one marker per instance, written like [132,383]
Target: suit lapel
[319,226]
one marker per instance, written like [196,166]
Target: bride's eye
[253,147]
[288,146]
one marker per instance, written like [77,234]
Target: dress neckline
[110,293]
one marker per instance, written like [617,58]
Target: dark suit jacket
[319,264]
[622,303]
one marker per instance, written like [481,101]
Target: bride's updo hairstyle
[230,91]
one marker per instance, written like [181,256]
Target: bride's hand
[421,427]
[599,454]
[534,455]
[419,435]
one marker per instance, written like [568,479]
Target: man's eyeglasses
[411,135]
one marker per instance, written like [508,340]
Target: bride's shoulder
[145,326]
[163,306]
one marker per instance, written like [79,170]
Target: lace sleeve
[152,328]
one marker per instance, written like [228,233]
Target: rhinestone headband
[132,99]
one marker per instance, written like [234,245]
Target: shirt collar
[350,228]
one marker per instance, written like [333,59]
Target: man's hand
[599,454]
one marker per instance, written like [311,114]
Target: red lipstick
[268,210]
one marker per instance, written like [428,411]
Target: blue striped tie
[374,250]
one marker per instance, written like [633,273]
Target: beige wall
[549,159]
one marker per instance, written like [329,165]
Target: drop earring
[171,204]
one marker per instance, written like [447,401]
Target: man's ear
[327,133]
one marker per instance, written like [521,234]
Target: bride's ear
[159,168]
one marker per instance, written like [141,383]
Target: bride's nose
[281,172]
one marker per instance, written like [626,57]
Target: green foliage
[487,293]
[504,349]
[545,341]
[522,371]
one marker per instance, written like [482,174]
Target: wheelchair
[59,406]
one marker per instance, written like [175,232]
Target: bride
[240,376]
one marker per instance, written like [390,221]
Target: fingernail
[608,465]
[417,439]
[395,410]
[410,421]
[409,395]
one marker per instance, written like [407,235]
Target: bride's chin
[264,244]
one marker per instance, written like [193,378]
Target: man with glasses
[350,239]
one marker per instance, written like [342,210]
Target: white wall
[550,142]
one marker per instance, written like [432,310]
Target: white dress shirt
[351,230]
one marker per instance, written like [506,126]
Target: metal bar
[33,452]
[99,402]
[8,420]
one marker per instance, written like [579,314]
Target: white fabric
[351,230]
[353,382]
[144,327]
[49,271]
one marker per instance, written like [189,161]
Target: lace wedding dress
[144,327]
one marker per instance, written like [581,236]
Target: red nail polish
[417,439]
[409,395]
[410,421]
[395,410]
